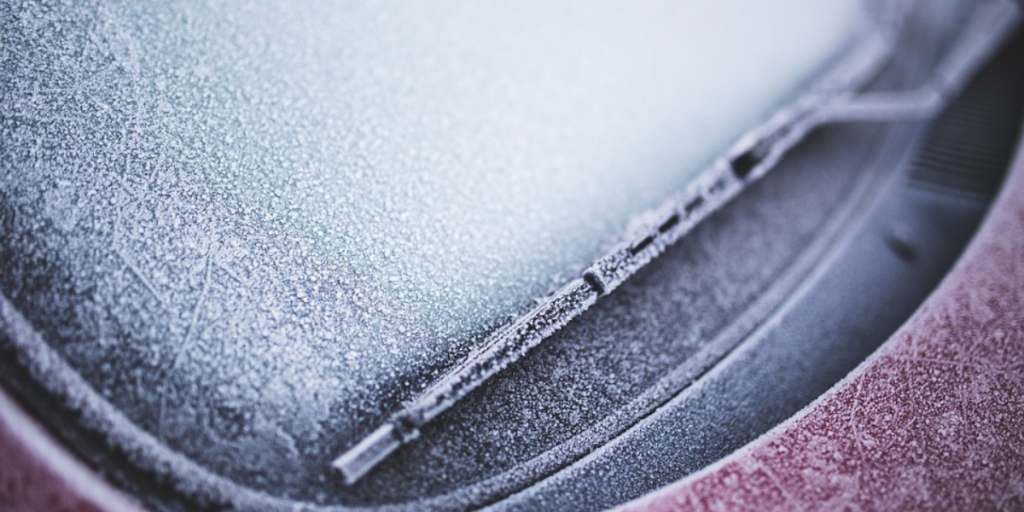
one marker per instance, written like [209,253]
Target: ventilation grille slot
[969,146]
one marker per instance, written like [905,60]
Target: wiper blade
[834,99]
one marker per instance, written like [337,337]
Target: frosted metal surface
[336,201]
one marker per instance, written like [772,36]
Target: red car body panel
[37,474]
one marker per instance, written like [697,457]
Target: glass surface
[330,195]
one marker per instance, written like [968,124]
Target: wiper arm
[833,100]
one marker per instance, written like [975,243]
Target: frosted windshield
[340,192]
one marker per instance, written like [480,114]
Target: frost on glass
[339,200]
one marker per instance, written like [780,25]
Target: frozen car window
[337,195]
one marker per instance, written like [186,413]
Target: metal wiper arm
[833,100]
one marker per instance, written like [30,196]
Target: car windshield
[437,168]
[341,194]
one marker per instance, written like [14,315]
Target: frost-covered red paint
[934,420]
[38,475]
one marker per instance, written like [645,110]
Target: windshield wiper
[833,99]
